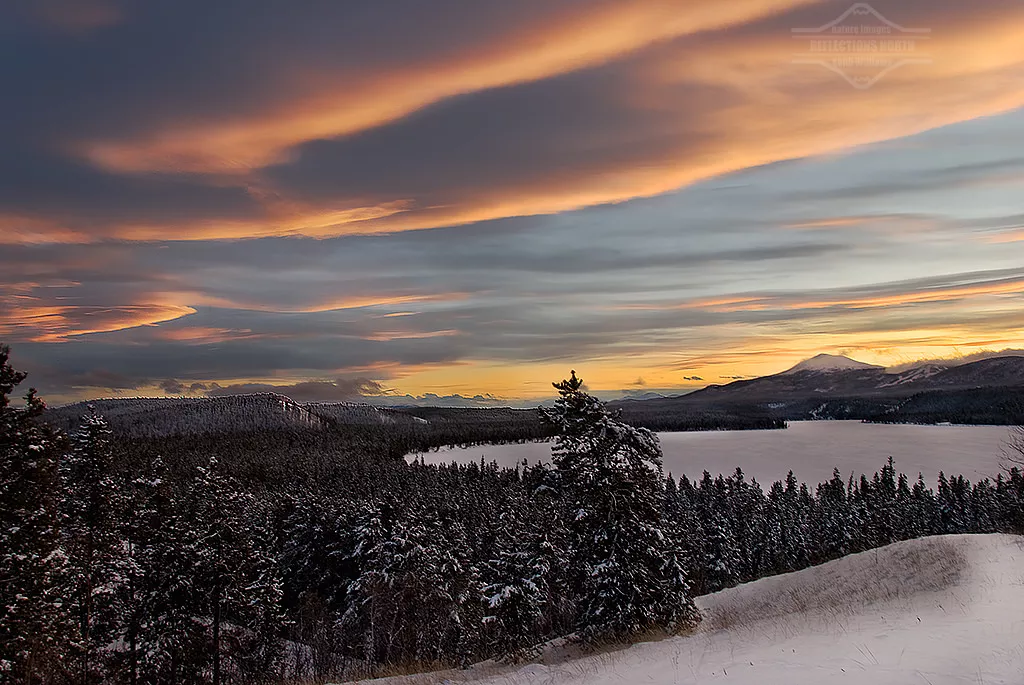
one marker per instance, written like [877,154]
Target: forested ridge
[127,561]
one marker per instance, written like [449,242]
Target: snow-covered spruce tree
[93,505]
[746,504]
[795,510]
[953,504]
[610,476]
[416,599]
[684,528]
[235,572]
[1010,492]
[166,606]
[316,558]
[516,589]
[549,548]
[33,625]
[832,533]
[719,560]
[147,535]
[369,607]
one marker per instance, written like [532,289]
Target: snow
[830,362]
[810,448]
[914,374]
[940,611]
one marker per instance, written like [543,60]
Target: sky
[463,199]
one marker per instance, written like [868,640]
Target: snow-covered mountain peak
[831,362]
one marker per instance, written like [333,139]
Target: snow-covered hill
[935,611]
[163,416]
[831,362]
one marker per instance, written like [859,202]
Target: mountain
[830,387]
[988,391]
[830,362]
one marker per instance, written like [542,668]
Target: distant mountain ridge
[827,374]
[829,387]
[152,417]
[824,387]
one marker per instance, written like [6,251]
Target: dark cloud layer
[156,159]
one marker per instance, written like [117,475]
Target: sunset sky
[472,197]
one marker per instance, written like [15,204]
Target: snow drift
[937,610]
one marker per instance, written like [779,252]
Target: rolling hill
[934,610]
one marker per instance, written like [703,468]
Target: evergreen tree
[833,530]
[610,476]
[33,618]
[516,588]
[149,503]
[94,510]
[235,572]
[171,609]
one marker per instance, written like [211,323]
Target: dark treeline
[456,427]
[649,414]
[993,406]
[270,422]
[172,569]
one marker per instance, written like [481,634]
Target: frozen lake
[810,448]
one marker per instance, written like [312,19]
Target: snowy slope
[936,611]
[830,362]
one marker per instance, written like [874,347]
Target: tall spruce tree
[610,476]
[149,555]
[235,572]
[33,614]
[516,586]
[93,535]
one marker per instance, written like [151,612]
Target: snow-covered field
[937,611]
[811,448]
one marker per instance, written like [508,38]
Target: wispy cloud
[650,190]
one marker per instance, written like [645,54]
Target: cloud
[338,390]
[171,387]
[76,17]
[27,320]
[497,111]
[229,201]
[260,110]
[958,360]
[454,400]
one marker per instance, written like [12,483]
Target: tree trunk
[133,631]
[87,613]
[216,635]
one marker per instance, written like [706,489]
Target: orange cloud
[58,323]
[343,303]
[703,89]
[386,336]
[27,230]
[947,294]
[334,106]
[200,334]
[792,302]
[783,111]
